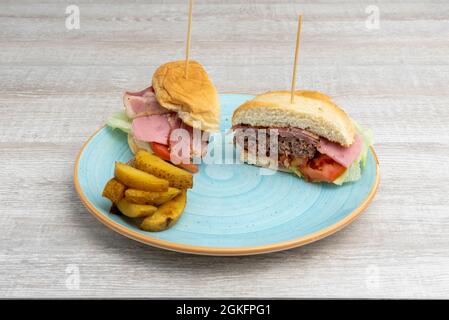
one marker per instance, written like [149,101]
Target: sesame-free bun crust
[194,98]
[311,110]
[260,161]
[135,145]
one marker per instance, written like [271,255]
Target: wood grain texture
[57,86]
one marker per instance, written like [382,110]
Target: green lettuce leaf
[119,120]
[354,172]
[296,171]
[368,139]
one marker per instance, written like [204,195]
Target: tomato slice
[322,168]
[162,151]
[193,168]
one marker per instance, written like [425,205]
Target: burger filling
[313,157]
[151,123]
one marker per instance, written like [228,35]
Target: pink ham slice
[199,148]
[181,141]
[196,148]
[342,155]
[155,128]
[142,103]
[174,121]
[177,153]
[180,146]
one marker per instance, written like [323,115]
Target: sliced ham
[162,128]
[342,155]
[196,146]
[142,103]
[179,141]
[155,128]
[174,121]
[180,145]
[199,146]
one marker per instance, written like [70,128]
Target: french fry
[114,190]
[133,210]
[154,165]
[166,215]
[134,178]
[150,197]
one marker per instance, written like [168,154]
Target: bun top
[311,110]
[195,99]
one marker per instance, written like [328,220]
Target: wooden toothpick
[189,29]
[298,36]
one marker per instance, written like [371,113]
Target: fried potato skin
[133,210]
[151,197]
[134,178]
[114,190]
[166,215]
[154,165]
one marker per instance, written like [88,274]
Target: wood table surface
[58,85]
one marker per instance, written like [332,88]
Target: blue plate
[233,209]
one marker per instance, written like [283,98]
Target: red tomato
[298,162]
[193,168]
[162,151]
[322,168]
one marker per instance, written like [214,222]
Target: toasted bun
[311,110]
[135,145]
[259,161]
[194,98]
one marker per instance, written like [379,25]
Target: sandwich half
[312,138]
[172,103]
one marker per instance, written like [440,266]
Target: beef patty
[291,142]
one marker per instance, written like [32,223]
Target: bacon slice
[142,103]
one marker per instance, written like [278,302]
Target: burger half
[314,138]
[173,117]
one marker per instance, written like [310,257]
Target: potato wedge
[133,210]
[166,215]
[151,197]
[154,165]
[138,179]
[114,190]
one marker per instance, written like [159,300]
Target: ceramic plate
[233,209]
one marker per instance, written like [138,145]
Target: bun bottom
[135,145]
[259,161]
